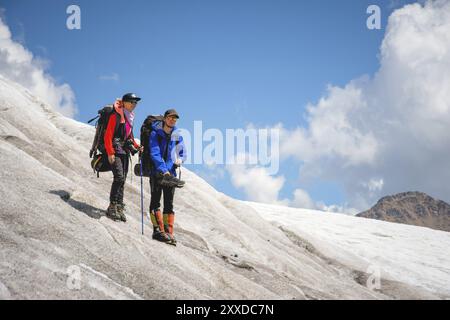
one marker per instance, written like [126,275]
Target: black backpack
[147,163]
[99,161]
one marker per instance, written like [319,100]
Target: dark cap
[130,97]
[171,112]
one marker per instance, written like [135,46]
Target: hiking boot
[169,220]
[111,212]
[158,226]
[120,211]
[171,181]
[122,206]
[160,236]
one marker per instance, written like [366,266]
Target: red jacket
[110,133]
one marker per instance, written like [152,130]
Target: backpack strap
[116,129]
[98,116]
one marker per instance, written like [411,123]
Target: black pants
[120,170]
[156,191]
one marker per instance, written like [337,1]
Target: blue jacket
[165,149]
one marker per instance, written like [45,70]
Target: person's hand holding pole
[178,162]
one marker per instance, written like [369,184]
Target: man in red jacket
[119,142]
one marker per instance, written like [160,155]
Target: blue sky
[227,63]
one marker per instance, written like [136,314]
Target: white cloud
[302,200]
[19,65]
[393,126]
[256,181]
[374,184]
[344,209]
[212,172]
[332,120]
[112,77]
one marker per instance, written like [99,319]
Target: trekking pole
[142,200]
[178,153]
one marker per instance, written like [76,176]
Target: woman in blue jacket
[167,153]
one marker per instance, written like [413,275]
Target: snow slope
[409,254]
[52,222]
